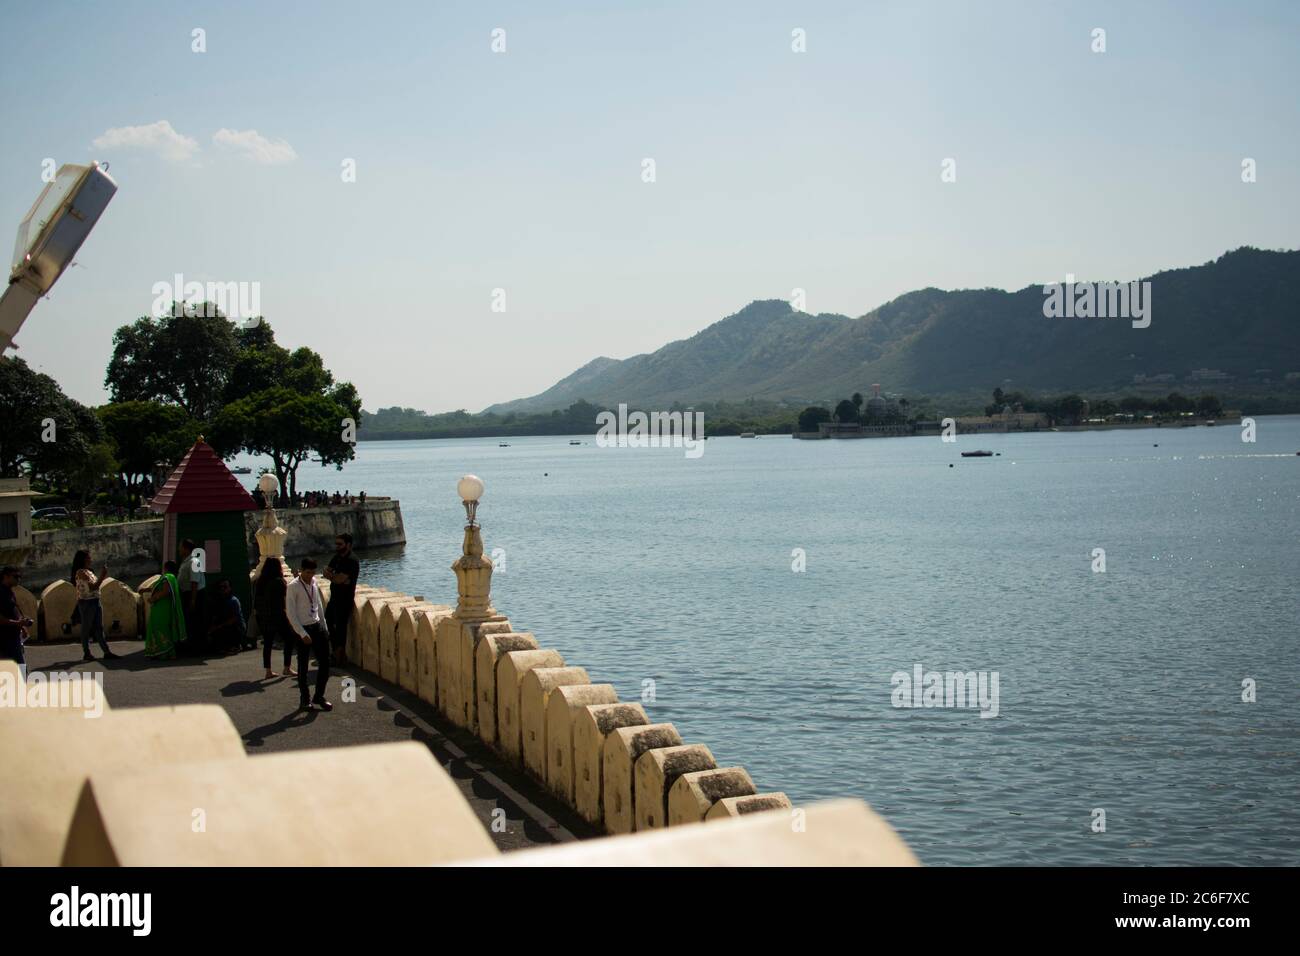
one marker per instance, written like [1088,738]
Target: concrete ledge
[835,833]
[359,598]
[377,804]
[368,628]
[426,655]
[511,669]
[47,759]
[408,630]
[739,806]
[656,771]
[534,692]
[562,710]
[694,794]
[467,670]
[386,633]
[29,606]
[58,601]
[121,609]
[623,747]
[490,649]
[592,724]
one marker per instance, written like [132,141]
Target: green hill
[1238,314]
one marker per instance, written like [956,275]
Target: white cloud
[156,137]
[255,146]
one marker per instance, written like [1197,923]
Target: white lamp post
[470,489]
[473,570]
[270,537]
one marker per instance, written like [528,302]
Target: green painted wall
[228,528]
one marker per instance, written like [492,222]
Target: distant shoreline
[1234,421]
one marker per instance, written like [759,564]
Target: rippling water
[1119,691]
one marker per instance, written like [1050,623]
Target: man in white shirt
[303,606]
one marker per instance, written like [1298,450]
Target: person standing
[269,601]
[13,626]
[191,581]
[342,573]
[165,625]
[304,611]
[88,604]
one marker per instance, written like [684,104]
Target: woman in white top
[88,605]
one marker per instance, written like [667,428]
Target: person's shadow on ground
[297,718]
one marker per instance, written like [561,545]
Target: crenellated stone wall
[546,716]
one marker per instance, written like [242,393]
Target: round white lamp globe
[470,488]
[268,484]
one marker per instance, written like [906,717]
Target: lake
[1119,691]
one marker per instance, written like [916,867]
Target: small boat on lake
[748,435]
[977,454]
[504,444]
[575,442]
[241,470]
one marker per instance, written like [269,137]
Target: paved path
[266,715]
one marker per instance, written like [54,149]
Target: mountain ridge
[935,341]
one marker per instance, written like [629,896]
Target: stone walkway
[266,715]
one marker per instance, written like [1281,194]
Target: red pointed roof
[201,482]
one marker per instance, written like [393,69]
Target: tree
[1071,408]
[43,428]
[184,358]
[1180,403]
[84,473]
[857,402]
[237,385]
[811,416]
[846,412]
[1209,406]
[1132,404]
[146,433]
[288,426]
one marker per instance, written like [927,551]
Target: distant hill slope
[1239,314]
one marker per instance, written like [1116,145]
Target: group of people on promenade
[287,610]
[313,499]
[183,618]
[291,611]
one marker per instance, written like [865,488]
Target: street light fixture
[268,486]
[470,489]
[50,235]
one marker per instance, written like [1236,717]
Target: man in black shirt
[13,626]
[342,573]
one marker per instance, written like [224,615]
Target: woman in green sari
[166,624]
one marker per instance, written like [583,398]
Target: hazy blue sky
[775,170]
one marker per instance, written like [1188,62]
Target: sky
[524,169]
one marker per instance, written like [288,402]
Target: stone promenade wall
[605,758]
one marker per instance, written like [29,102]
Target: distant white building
[15,520]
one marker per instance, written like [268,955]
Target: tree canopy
[235,384]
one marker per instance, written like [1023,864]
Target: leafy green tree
[289,427]
[43,428]
[83,473]
[846,412]
[184,358]
[1070,408]
[1180,403]
[857,402]
[811,417]
[1132,404]
[145,433]
[1209,406]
